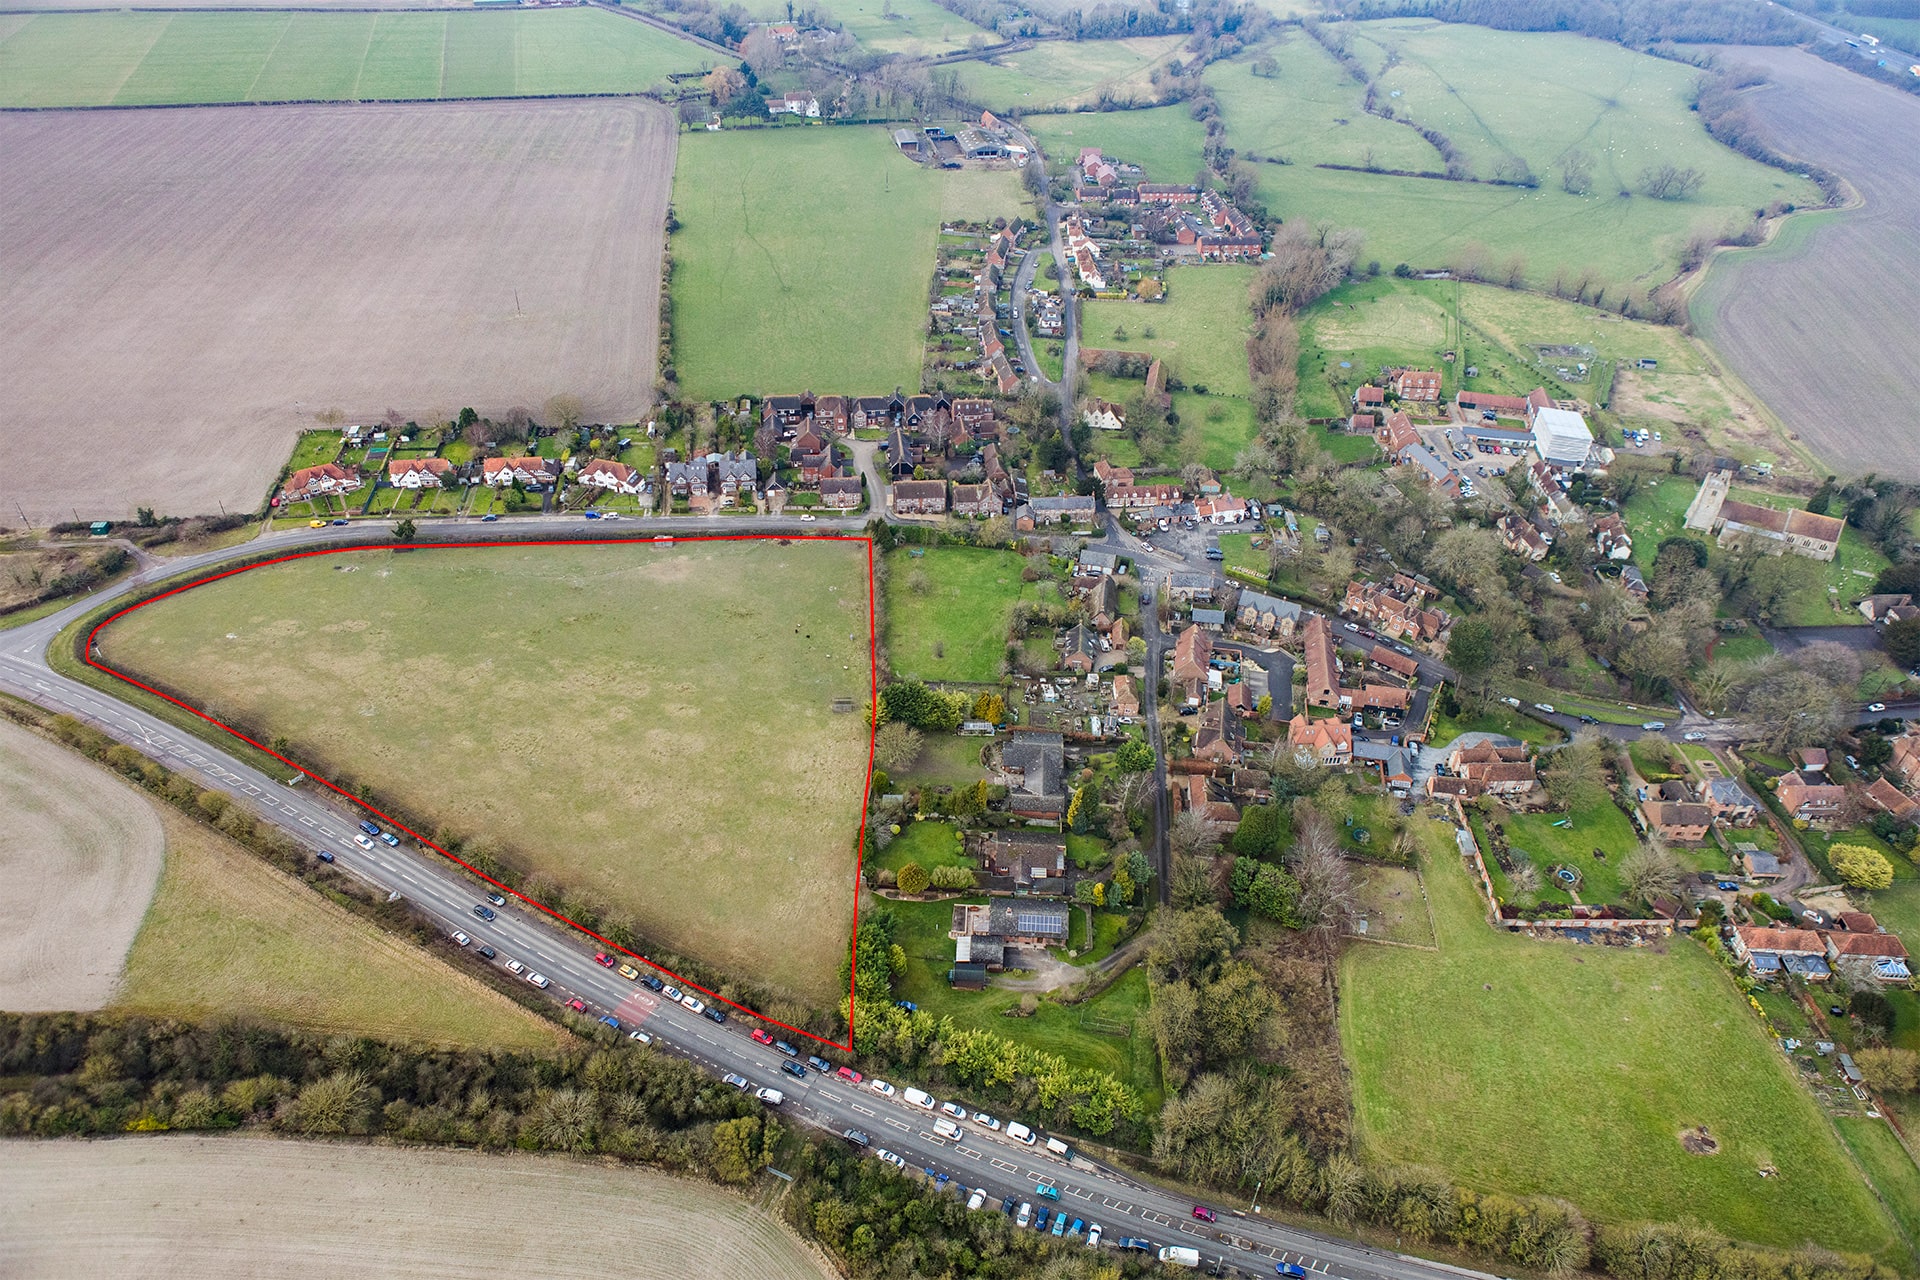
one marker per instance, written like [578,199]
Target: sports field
[133,58]
[1566,1070]
[1058,74]
[1626,110]
[229,936]
[650,728]
[803,258]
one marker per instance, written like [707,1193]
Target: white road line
[865,1111]
[1002,1164]
[898,1124]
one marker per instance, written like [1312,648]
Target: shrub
[913,878]
[1861,867]
[952,877]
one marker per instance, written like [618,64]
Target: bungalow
[1419,385]
[1030,924]
[918,497]
[418,473]
[1761,868]
[325,480]
[1369,397]
[1033,762]
[1268,615]
[1396,774]
[974,500]
[842,493]
[613,477]
[1878,956]
[1126,702]
[1809,801]
[1032,860]
[1462,789]
[1679,821]
[1320,742]
[1730,803]
[500,472]
[1770,951]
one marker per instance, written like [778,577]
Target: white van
[914,1097]
[1180,1255]
[1020,1133]
[1058,1148]
[947,1129]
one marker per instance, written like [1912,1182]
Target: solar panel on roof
[1033,922]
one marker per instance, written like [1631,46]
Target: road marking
[968,1152]
[1160,1218]
[898,1124]
[1002,1164]
[865,1111]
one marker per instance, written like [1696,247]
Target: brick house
[1192,653]
[1880,957]
[1267,615]
[1030,859]
[1730,802]
[918,497]
[500,472]
[1768,952]
[1323,670]
[1033,763]
[1218,735]
[1678,820]
[1125,701]
[1320,742]
[1419,385]
[842,493]
[974,500]
[1193,794]
[1810,801]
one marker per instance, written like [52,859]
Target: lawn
[947,760]
[1600,825]
[228,935]
[1164,141]
[1626,109]
[948,610]
[1199,331]
[754,268]
[1563,1070]
[1061,74]
[132,58]
[910,27]
[627,720]
[1393,904]
[1495,719]
[1875,1145]
[931,844]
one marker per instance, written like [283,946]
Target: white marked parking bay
[1009,1167]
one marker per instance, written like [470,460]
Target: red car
[761,1037]
[849,1074]
[1203,1213]
[604,960]
[578,1006]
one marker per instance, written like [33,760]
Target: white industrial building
[1561,436]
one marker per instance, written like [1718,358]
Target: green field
[1061,74]
[228,935]
[910,27]
[1200,331]
[133,58]
[947,611]
[775,294]
[1164,141]
[1566,1070]
[1626,109]
[629,721]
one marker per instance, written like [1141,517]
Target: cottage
[1224,509]
[1883,795]
[1104,415]
[1080,648]
[1190,586]
[1419,385]
[1611,539]
[1103,602]
[1193,794]
[1067,509]
[1880,957]
[418,473]
[1395,436]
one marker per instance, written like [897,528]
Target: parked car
[857,1138]
[1876,706]
[760,1036]
[592,515]
[1025,1215]
[362,841]
[693,1003]
[1093,1236]
[1048,1190]
[630,973]
[786,1048]
[323,855]
[484,951]
[1694,735]
[1654,726]
[772,1097]
[892,1159]
[985,1121]
[714,1013]
[954,1109]
[1546,707]
[1134,1244]
[339,521]
[882,1088]
[515,968]
[389,839]
[489,518]
[610,1020]
[1293,1269]
[794,1069]
[1204,1214]
[652,983]
[369,826]
[640,1036]
[539,980]
[460,939]
[820,1064]
[497,899]
[1060,1225]
[977,1200]
[736,1080]
[577,1005]
[850,1075]
[604,960]
[671,993]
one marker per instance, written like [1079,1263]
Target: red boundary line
[873,667]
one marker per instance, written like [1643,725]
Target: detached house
[614,477]
[1773,951]
[918,497]
[1192,655]
[1877,956]
[1419,385]
[1730,802]
[1320,742]
[1219,736]
[842,493]
[1680,821]
[1032,860]
[1611,539]
[501,472]
[326,480]
[1810,801]
[418,473]
[1034,763]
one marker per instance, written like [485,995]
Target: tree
[1576,172]
[1472,651]
[1861,867]
[1193,835]
[1326,884]
[913,878]
[897,746]
[1134,756]
[990,707]
[564,410]
[1650,872]
[1902,641]
[1670,182]
[1890,1070]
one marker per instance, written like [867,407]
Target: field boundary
[667,541]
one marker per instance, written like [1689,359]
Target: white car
[954,1109]
[736,1080]
[1876,706]
[772,1097]
[459,939]
[1694,736]
[1546,707]
[538,980]
[672,993]
[693,1003]
[515,968]
[640,1037]
[890,1158]
[882,1088]
[809,517]
[985,1121]
[610,515]
[1093,1236]
[363,842]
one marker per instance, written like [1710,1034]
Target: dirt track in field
[191,1207]
[180,290]
[80,853]
[1824,327]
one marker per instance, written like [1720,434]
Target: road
[446,893]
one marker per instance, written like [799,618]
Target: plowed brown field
[1822,324]
[192,1207]
[180,290]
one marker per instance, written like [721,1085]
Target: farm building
[1561,436]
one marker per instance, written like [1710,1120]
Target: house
[1878,956]
[1730,803]
[1810,759]
[1439,788]
[1393,660]
[500,472]
[1679,821]
[1162,193]
[1493,769]
[1192,654]
[1190,586]
[1323,665]
[1066,509]
[1396,435]
[1809,801]
[1032,860]
[1611,539]
[1520,537]
[1104,415]
[918,497]
[1433,470]
[1905,764]
[1399,609]
[1125,701]
[1376,697]
[1033,762]
[1103,602]
[1096,564]
[418,473]
[1883,795]
[733,476]
[1106,473]
[1267,615]
[1770,951]
[974,500]
[1634,582]
[795,103]
[1016,924]
[1419,385]
[830,415]
[323,481]
[612,477]
[1775,532]
[1369,397]
[1225,509]
[1389,761]
[1081,648]
[1761,868]
[1320,742]
[1192,794]
[842,493]
[1124,497]
[1888,608]
[1218,736]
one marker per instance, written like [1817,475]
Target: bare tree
[564,410]
[1670,182]
[897,746]
[1576,172]
[1193,835]
[1650,872]
[1326,884]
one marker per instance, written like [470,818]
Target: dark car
[716,1014]
[370,827]
[652,983]
[857,1138]
[820,1064]
[1041,1219]
[489,518]
[1588,720]
[339,521]
[794,1069]
[323,855]
[486,951]
[789,1050]
[1289,1269]
[1133,1244]
[482,910]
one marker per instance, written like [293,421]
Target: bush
[952,877]
[913,878]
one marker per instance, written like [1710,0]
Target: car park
[459,939]
[640,1037]
[628,972]
[772,1097]
[760,1036]
[363,842]
[735,1079]
[882,1088]
[539,980]
[892,1159]
[794,1069]
[482,910]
